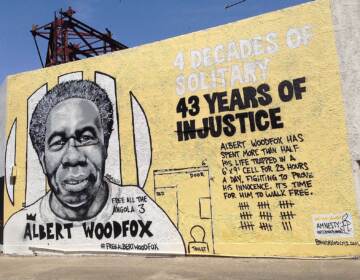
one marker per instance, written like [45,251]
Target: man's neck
[85,212]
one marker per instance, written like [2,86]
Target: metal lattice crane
[70,39]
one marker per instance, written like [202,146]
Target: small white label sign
[333,225]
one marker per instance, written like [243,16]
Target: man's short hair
[72,89]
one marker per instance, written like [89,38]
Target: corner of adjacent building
[346,21]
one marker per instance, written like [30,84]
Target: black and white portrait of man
[84,210]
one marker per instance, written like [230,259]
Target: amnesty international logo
[333,225]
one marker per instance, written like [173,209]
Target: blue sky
[132,22]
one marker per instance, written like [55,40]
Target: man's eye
[86,139]
[58,143]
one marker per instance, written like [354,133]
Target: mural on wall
[70,131]
[214,143]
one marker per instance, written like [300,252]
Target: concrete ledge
[126,267]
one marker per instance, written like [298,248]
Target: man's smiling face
[75,153]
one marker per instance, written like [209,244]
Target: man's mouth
[74,181]
[75,184]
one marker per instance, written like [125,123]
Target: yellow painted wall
[190,179]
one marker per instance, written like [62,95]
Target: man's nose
[73,155]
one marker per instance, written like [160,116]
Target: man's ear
[42,162]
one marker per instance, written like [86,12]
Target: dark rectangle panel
[1,210]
